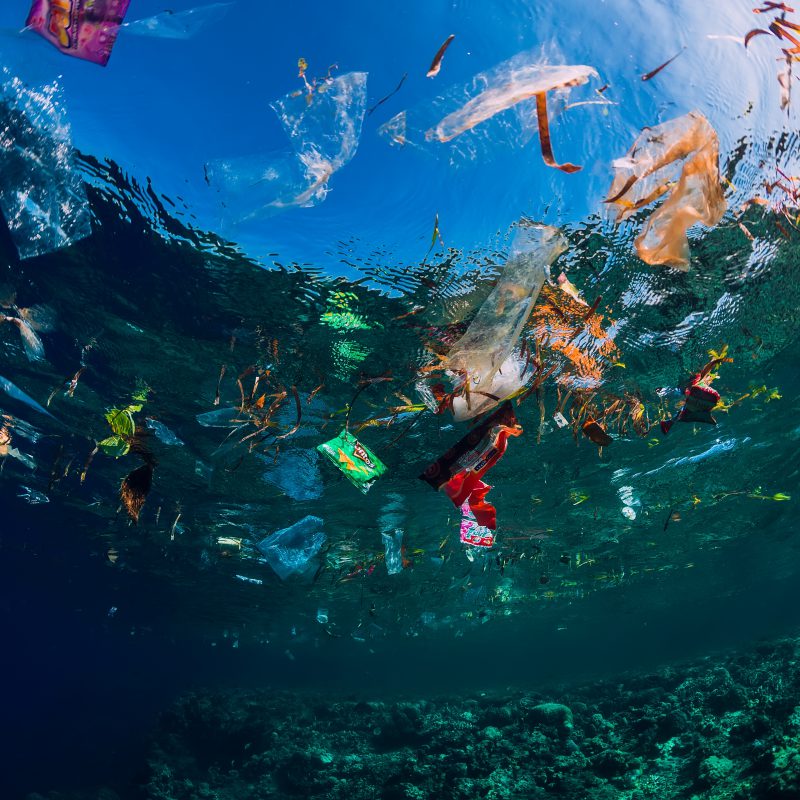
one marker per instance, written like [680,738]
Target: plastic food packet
[290,550]
[471,532]
[358,463]
[700,400]
[647,172]
[459,471]
[85,29]
[486,347]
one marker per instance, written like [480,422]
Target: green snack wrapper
[359,464]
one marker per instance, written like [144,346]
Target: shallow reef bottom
[725,727]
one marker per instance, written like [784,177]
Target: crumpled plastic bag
[290,550]
[41,194]
[482,357]
[324,132]
[84,29]
[688,144]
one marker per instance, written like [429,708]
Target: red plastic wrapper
[700,400]
[459,471]
[85,29]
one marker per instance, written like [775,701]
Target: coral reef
[724,728]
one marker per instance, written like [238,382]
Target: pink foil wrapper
[85,29]
[473,533]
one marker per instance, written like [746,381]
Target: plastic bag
[291,550]
[701,399]
[85,29]
[688,144]
[41,195]
[393,549]
[459,471]
[358,463]
[504,87]
[178,24]
[469,117]
[485,348]
[324,128]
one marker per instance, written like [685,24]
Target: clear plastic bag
[687,145]
[393,548]
[291,550]
[324,128]
[486,347]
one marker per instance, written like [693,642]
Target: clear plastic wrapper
[41,195]
[686,147]
[178,24]
[472,117]
[393,549]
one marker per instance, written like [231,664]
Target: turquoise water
[212,265]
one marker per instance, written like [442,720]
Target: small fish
[436,64]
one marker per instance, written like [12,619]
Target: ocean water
[210,265]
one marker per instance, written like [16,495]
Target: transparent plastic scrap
[393,549]
[41,194]
[324,128]
[178,24]
[687,145]
[469,117]
[484,356]
[291,550]
[505,86]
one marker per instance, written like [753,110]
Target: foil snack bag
[359,464]
[459,471]
[85,29]
[471,532]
